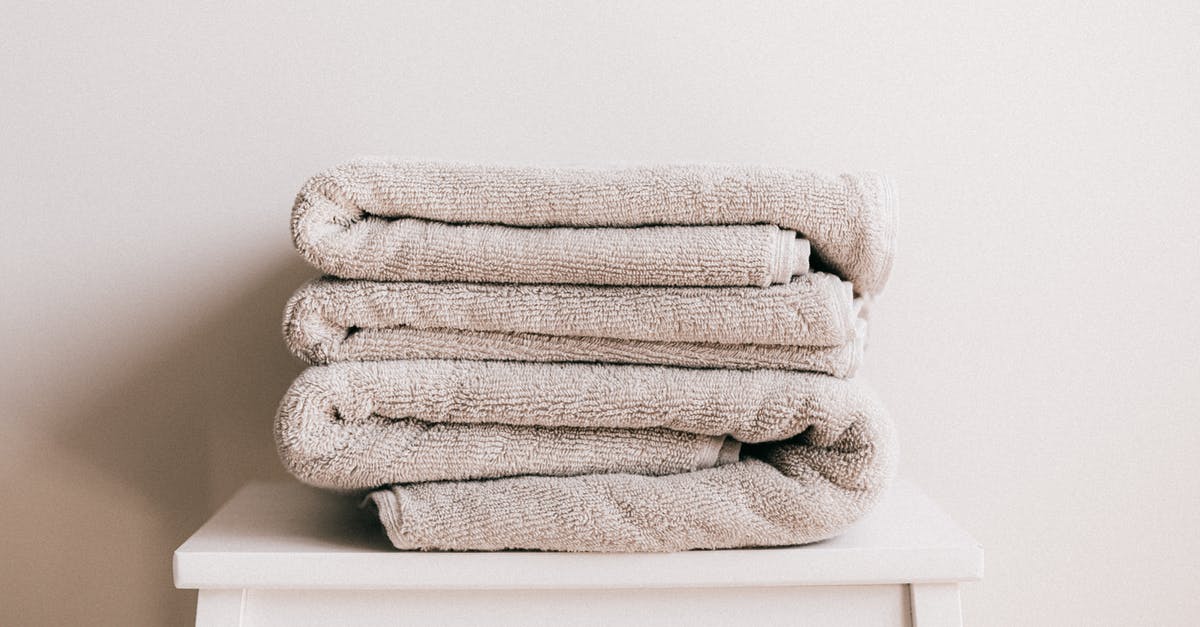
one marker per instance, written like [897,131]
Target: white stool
[284,554]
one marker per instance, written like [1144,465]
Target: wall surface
[1038,344]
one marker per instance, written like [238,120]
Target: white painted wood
[220,608]
[284,535]
[936,605]
[834,606]
[284,554]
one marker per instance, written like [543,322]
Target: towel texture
[628,359]
[811,323]
[640,458]
[701,225]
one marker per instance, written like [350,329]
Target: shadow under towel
[812,324]
[389,220]
[590,457]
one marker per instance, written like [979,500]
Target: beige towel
[363,425]
[713,225]
[809,324]
[823,452]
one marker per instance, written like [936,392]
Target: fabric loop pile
[631,359]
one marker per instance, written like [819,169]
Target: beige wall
[1038,344]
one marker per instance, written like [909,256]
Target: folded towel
[818,451]
[809,324]
[398,440]
[702,225]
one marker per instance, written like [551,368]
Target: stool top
[287,535]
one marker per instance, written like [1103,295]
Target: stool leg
[220,608]
[935,605]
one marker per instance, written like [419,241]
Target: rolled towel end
[730,453]
[719,450]
[879,240]
[790,259]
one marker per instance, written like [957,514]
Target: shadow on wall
[183,432]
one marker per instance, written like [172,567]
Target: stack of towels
[633,359]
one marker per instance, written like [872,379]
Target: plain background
[1038,343]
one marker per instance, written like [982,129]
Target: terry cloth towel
[592,457]
[710,226]
[809,324]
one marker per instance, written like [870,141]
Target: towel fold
[700,225]
[642,458]
[630,359]
[811,323]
